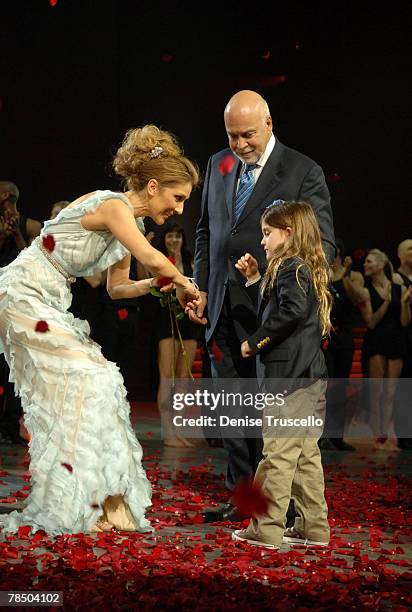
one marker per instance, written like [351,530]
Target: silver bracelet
[193,282]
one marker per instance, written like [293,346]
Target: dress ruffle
[82,448]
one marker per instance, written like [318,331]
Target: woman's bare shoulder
[81,199]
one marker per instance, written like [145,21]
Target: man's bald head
[248,125]
[246,103]
[405,252]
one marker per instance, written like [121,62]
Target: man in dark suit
[240,183]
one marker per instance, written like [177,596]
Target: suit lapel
[262,303]
[267,181]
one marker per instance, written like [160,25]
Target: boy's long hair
[305,244]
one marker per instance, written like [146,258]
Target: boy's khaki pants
[291,467]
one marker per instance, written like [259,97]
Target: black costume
[388,337]
[338,353]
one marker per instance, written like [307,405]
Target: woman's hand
[246,350]
[248,267]
[188,294]
[406,298]
[9,223]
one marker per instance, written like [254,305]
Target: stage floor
[187,564]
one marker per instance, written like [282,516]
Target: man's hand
[195,311]
[248,267]
[246,350]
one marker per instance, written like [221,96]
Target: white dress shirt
[260,164]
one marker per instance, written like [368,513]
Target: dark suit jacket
[288,337]
[287,175]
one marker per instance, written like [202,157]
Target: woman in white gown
[86,471]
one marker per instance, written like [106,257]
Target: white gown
[85,458]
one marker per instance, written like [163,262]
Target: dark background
[75,76]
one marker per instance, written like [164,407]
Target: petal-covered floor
[187,564]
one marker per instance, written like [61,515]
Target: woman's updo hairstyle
[150,153]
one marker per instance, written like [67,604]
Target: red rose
[162,281]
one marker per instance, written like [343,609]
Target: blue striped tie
[246,185]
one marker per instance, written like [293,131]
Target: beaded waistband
[52,260]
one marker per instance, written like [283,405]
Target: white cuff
[253,282]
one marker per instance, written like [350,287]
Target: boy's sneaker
[240,536]
[291,536]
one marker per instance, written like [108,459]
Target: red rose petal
[249,498]
[67,466]
[49,242]
[359,254]
[226,165]
[216,352]
[334,177]
[1,390]
[41,326]
[122,313]
[24,531]
[197,519]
